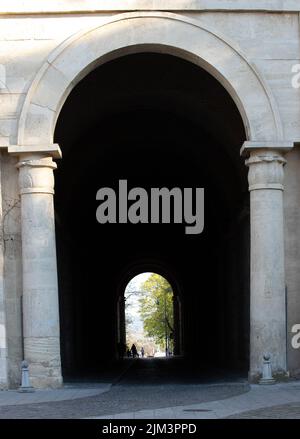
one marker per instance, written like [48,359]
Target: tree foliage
[156,308]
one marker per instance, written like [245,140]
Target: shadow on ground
[140,385]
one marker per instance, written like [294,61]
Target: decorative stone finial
[267,377]
[25,382]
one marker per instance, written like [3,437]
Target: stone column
[267,277]
[40,291]
[3,335]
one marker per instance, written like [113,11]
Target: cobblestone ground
[285,411]
[124,398]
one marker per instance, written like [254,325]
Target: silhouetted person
[134,351]
[142,352]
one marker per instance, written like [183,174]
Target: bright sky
[132,309]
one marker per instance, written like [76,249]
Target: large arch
[72,61]
[136,32]
[154,120]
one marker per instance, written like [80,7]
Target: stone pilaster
[3,337]
[267,284]
[40,291]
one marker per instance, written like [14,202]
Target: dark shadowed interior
[155,120]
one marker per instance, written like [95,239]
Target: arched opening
[152,318]
[154,120]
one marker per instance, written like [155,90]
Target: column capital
[36,174]
[265,171]
[265,161]
[273,145]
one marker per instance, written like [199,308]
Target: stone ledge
[273,145]
[94,6]
[52,150]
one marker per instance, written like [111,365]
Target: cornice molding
[30,7]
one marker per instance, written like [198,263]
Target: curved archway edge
[136,32]
[148,266]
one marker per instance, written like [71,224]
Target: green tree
[156,308]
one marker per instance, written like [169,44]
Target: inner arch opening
[149,304]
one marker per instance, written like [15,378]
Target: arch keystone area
[140,32]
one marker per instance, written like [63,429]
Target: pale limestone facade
[46,48]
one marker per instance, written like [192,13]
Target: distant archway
[151,316]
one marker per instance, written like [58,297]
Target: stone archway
[64,68]
[157,267]
[153,31]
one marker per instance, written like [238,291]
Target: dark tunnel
[154,120]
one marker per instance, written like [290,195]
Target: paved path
[216,401]
[120,398]
[277,401]
[71,392]
[286,411]
[157,390]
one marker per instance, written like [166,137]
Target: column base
[255,377]
[267,382]
[42,377]
[46,382]
[43,358]
[26,389]
[3,370]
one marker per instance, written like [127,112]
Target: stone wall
[271,41]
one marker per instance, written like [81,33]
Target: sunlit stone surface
[251,48]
